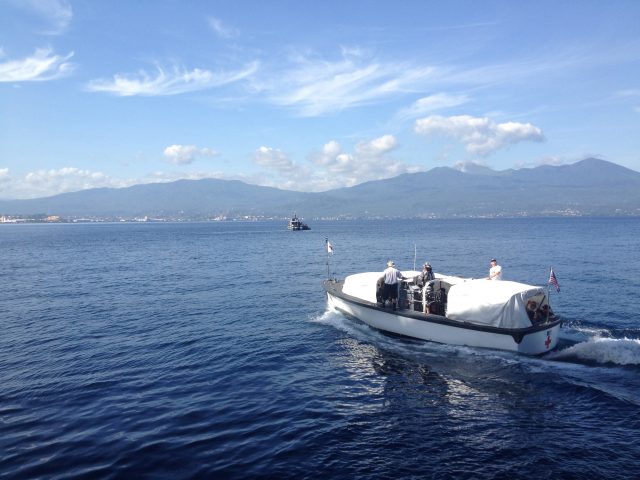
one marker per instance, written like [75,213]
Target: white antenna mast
[415,251]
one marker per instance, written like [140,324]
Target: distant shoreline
[107,220]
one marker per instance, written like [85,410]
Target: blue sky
[309,95]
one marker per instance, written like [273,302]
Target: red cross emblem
[547,342]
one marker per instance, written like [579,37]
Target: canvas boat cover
[363,285]
[498,304]
[482,302]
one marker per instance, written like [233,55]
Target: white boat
[453,310]
[297,224]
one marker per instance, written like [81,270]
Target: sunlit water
[206,350]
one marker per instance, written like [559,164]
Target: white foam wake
[623,351]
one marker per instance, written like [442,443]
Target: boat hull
[531,341]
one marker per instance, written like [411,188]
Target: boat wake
[597,345]
[339,321]
[602,351]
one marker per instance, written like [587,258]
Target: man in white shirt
[391,277]
[495,272]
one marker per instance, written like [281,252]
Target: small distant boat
[452,310]
[297,224]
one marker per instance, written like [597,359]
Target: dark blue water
[205,350]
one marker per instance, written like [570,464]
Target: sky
[309,96]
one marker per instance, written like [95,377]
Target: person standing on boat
[391,278]
[495,272]
[427,274]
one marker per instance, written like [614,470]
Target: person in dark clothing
[380,291]
[427,274]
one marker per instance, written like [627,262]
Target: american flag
[554,281]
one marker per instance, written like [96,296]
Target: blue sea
[206,350]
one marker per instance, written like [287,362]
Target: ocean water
[205,350]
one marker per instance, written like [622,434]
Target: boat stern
[541,341]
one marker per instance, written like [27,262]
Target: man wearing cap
[495,272]
[391,277]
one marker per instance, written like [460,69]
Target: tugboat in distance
[297,224]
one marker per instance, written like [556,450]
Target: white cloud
[222,30]
[172,82]
[376,147]
[469,167]
[430,104]
[317,87]
[331,167]
[274,159]
[280,171]
[553,160]
[42,183]
[480,135]
[45,183]
[330,151]
[370,160]
[42,65]
[186,154]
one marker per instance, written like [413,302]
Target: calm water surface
[206,350]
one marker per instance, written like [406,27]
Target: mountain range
[589,187]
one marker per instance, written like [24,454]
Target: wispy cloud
[172,82]
[186,154]
[221,29]
[314,86]
[57,14]
[317,87]
[480,135]
[430,104]
[41,66]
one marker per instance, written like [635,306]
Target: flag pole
[549,294]
[326,247]
[549,283]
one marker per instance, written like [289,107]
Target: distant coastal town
[56,219]
[43,218]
